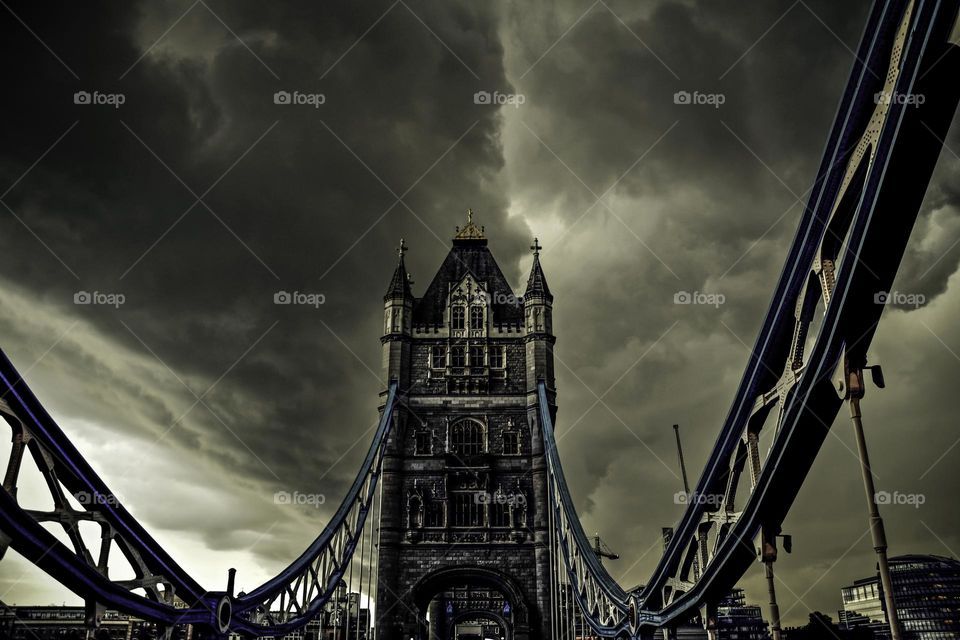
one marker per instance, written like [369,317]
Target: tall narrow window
[496,357]
[476,356]
[467,509]
[415,512]
[511,443]
[457,317]
[466,438]
[435,514]
[438,357]
[500,510]
[476,317]
[458,357]
[424,443]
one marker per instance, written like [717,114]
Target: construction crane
[602,550]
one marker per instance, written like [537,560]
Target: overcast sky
[199,197]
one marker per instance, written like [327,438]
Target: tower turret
[397,320]
[538,324]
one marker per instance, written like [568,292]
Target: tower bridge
[459,520]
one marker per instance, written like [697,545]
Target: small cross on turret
[536,247]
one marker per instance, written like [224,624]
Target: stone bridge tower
[463,538]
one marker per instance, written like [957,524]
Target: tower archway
[440,598]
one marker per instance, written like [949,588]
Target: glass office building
[926,592]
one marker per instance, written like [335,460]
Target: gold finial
[402,249]
[470,231]
[536,246]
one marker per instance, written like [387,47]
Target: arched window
[457,317]
[415,512]
[466,438]
[476,317]
[500,506]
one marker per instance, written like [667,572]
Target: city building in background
[68,622]
[738,620]
[927,593]
[341,618]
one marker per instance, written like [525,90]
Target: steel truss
[162,591]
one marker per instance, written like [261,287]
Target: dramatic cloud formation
[200,197]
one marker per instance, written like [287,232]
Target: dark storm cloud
[694,198]
[295,201]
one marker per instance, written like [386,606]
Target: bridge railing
[580,578]
[297,593]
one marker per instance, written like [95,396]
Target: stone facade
[464,479]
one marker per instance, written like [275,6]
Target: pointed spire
[537,282]
[400,283]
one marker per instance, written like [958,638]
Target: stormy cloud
[287,147]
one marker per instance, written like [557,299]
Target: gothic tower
[463,537]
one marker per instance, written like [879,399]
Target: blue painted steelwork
[253,614]
[875,170]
